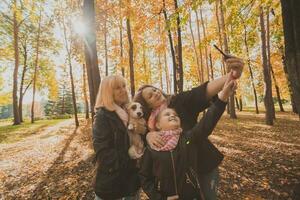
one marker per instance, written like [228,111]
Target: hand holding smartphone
[233,63]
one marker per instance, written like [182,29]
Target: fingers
[158,142]
[230,85]
[155,140]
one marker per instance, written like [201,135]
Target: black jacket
[188,105]
[167,173]
[116,174]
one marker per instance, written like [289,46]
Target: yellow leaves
[5,99]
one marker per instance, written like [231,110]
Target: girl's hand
[235,65]
[155,140]
[229,87]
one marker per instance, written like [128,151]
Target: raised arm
[235,65]
[209,121]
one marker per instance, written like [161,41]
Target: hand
[235,65]
[229,87]
[155,140]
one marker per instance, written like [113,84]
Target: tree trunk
[16,69]
[200,48]
[90,52]
[167,73]
[121,39]
[211,67]
[269,58]
[22,83]
[160,68]
[205,44]
[105,39]
[250,69]
[132,85]
[87,116]
[195,49]
[266,71]
[223,27]
[220,36]
[68,48]
[180,64]
[237,103]
[291,25]
[171,49]
[160,72]
[63,102]
[35,67]
[241,104]
[146,74]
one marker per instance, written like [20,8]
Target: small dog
[136,128]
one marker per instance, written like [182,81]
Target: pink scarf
[122,114]
[171,138]
[154,113]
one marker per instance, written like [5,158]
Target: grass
[10,134]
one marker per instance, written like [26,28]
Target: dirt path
[261,162]
[46,164]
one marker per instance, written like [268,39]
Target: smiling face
[120,94]
[153,97]
[167,120]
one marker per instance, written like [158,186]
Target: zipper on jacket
[174,173]
[194,174]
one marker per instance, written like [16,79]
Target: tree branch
[27,88]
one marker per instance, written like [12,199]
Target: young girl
[171,172]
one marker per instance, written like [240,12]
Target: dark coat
[168,173]
[188,105]
[116,174]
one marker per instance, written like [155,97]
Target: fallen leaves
[260,163]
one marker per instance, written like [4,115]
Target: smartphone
[224,54]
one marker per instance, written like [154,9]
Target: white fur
[136,128]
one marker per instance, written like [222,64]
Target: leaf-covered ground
[261,162]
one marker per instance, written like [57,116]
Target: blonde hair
[105,93]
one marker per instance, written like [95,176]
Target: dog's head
[135,110]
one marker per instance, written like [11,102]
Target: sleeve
[147,178]
[103,143]
[209,121]
[193,100]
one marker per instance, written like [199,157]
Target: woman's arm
[103,143]
[215,86]
[209,121]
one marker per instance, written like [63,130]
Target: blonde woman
[116,174]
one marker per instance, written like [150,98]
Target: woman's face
[168,120]
[120,94]
[153,97]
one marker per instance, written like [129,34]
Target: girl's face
[120,94]
[168,120]
[153,97]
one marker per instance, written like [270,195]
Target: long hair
[105,93]
[138,97]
